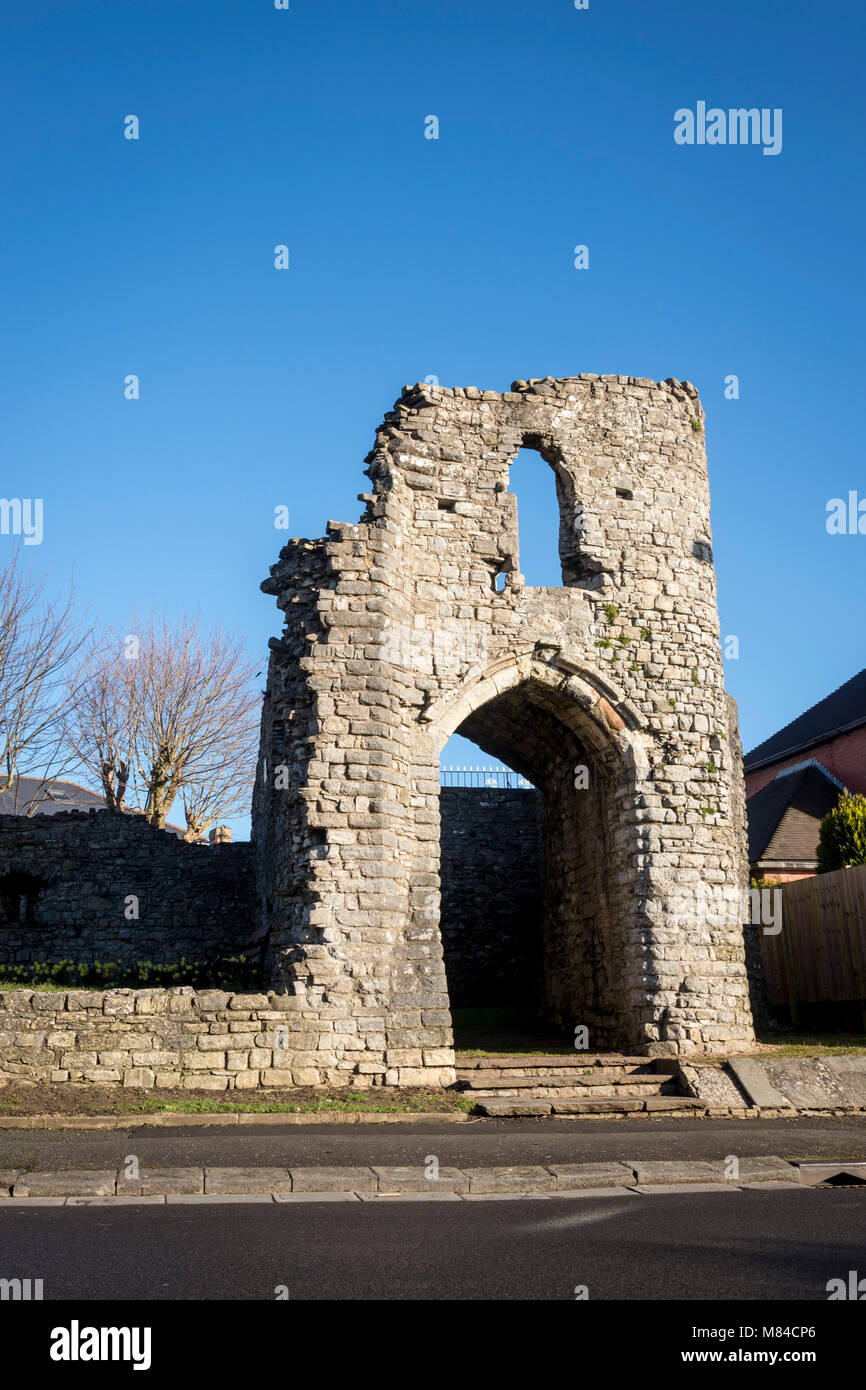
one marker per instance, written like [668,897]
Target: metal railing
[483,777]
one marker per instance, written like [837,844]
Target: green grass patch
[235,974]
[435,1101]
[64,1100]
[6,986]
[812,1045]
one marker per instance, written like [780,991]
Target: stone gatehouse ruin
[609,894]
[606,693]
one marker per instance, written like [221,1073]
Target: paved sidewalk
[424,1183]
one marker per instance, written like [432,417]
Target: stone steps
[605,1083]
[548,1091]
[599,1084]
[526,1064]
[515,1107]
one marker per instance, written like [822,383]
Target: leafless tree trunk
[102,718]
[40,639]
[171,710]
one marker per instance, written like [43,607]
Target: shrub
[842,840]
[232,973]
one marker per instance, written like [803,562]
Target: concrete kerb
[184,1185]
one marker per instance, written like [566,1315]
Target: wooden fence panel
[820,954]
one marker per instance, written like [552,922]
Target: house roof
[37,795]
[844,709]
[785,815]
[43,797]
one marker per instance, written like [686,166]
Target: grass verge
[63,1099]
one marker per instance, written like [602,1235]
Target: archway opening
[525,916]
[492,878]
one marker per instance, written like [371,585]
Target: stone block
[520,1178]
[159,1182]
[75,1183]
[247,1180]
[405,1179]
[333,1180]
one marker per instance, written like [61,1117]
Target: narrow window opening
[532,482]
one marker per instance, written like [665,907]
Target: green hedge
[233,973]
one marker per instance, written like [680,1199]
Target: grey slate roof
[837,713]
[48,797]
[786,814]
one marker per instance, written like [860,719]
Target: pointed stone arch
[589,701]
[549,715]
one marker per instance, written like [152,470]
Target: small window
[625,493]
[18,894]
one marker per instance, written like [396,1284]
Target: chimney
[220,835]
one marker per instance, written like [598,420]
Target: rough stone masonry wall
[416,623]
[492,877]
[81,867]
[205,1040]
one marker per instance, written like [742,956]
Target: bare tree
[40,639]
[225,793]
[102,716]
[171,710]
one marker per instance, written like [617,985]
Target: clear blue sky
[412,256]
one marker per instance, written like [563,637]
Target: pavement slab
[769,1168]
[754,1080]
[236,1181]
[159,1182]
[665,1171]
[211,1198]
[333,1180]
[679,1188]
[300,1197]
[511,1179]
[114,1201]
[86,1183]
[577,1175]
[411,1197]
[405,1179]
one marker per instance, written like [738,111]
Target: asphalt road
[754,1245]
[484,1143]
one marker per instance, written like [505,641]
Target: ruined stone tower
[607,693]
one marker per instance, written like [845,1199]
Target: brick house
[795,777]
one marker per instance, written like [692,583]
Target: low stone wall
[86,886]
[201,1040]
